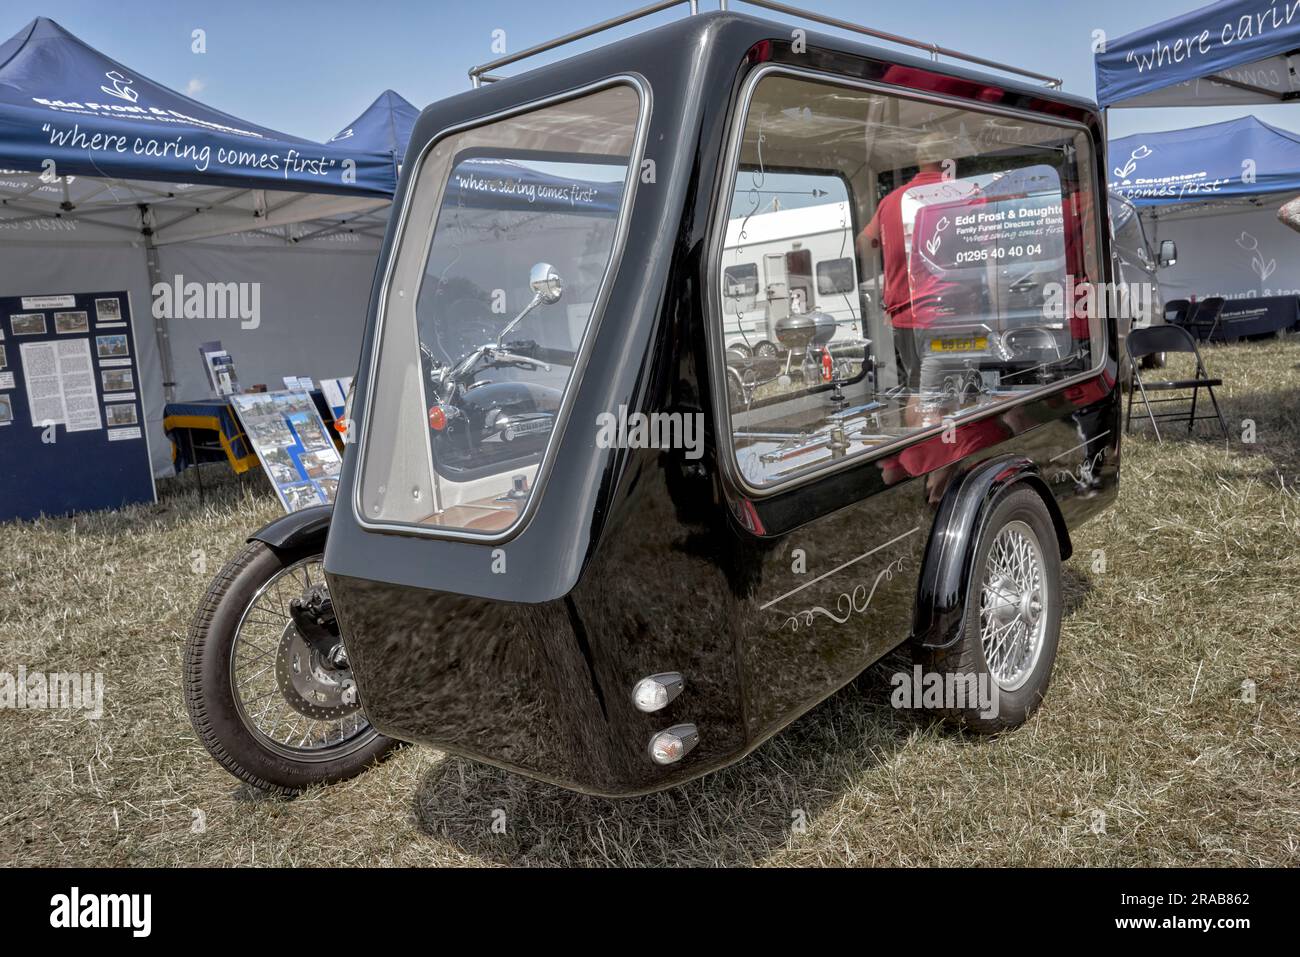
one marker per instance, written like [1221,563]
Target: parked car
[1136,261]
[567,540]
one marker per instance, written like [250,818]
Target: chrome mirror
[547,288]
[546,283]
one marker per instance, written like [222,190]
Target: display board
[292,444]
[72,434]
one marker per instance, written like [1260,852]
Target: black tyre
[766,350]
[270,709]
[1013,618]
[1154,361]
[735,390]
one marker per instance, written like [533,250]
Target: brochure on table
[292,444]
[220,367]
[336,394]
[72,434]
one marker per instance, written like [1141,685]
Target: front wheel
[1012,620]
[273,702]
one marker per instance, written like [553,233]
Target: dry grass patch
[1146,731]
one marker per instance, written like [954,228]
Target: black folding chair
[1154,339]
[1203,322]
[1177,311]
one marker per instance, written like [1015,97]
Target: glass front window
[917,262]
[500,264]
[1129,242]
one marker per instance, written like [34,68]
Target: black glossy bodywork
[635,562]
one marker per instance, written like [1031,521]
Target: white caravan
[791,261]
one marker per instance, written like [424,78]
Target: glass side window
[739,288]
[916,264]
[836,277]
[502,258]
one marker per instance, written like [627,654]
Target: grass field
[1147,752]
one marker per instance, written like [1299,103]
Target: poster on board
[293,445]
[72,434]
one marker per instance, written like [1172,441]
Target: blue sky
[309,68]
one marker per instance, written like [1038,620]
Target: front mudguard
[297,530]
[940,611]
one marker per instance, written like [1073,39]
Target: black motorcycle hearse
[583,531]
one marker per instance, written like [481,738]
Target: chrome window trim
[713,304]
[642,89]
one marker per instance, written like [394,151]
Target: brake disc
[311,686]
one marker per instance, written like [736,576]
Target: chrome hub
[1031,607]
[310,686]
[295,700]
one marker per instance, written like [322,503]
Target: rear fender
[941,595]
[297,530]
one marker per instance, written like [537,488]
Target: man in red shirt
[890,230]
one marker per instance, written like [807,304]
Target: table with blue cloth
[1254,317]
[207,430]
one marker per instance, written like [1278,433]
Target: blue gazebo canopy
[383,127]
[62,100]
[1234,159]
[1228,53]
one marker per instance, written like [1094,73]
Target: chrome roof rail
[933,49]
[479,74]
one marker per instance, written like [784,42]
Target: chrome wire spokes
[1012,606]
[287,696]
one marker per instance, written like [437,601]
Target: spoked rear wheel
[1013,618]
[275,706]
[1012,605]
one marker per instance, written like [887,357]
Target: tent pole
[159,323]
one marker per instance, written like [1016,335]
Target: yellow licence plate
[975,344]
